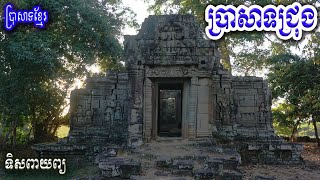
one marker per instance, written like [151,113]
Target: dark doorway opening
[170,110]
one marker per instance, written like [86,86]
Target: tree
[287,118]
[37,67]
[298,81]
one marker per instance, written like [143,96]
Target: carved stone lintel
[176,71]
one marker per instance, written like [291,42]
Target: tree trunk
[2,123]
[14,135]
[294,131]
[6,137]
[38,132]
[225,54]
[55,129]
[314,122]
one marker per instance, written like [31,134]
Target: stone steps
[159,178]
[224,174]
[142,164]
[119,167]
[198,175]
[172,169]
[199,168]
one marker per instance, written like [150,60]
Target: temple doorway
[170,110]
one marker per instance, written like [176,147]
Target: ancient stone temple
[175,88]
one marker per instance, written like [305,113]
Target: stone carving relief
[88,116]
[108,114]
[222,112]
[170,42]
[262,113]
[170,37]
[234,105]
[172,71]
[118,112]
[171,46]
[101,109]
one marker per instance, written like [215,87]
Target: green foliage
[297,80]
[294,79]
[38,67]
[285,120]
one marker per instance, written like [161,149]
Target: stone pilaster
[193,107]
[147,118]
[135,117]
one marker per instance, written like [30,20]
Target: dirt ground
[309,171]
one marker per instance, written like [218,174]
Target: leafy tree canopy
[38,66]
[298,82]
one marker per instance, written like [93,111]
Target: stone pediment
[170,40]
[169,23]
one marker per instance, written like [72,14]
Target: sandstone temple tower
[170,58]
[175,88]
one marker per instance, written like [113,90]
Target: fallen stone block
[119,167]
[164,162]
[263,177]
[204,174]
[231,175]
[162,173]
[214,164]
[231,164]
[182,172]
[182,164]
[158,178]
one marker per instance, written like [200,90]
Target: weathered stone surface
[263,177]
[232,175]
[164,162]
[231,164]
[214,164]
[204,174]
[182,172]
[272,153]
[161,173]
[99,112]
[182,164]
[119,167]
[159,177]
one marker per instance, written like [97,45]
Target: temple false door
[203,112]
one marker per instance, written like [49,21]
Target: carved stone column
[147,118]
[192,108]
[135,117]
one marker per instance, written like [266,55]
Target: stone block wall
[252,102]
[222,99]
[99,112]
[242,113]
[241,106]
[271,153]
